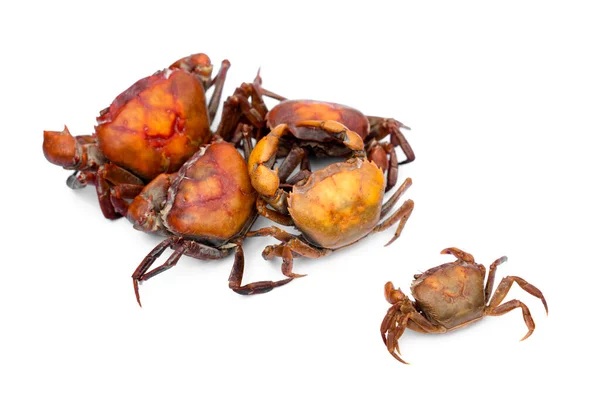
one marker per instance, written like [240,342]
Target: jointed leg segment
[494,308]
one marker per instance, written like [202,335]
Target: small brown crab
[333,207]
[451,296]
[152,127]
[247,105]
[206,209]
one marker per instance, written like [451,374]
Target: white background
[503,102]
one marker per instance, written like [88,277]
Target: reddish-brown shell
[451,295]
[156,124]
[211,199]
[293,111]
[338,204]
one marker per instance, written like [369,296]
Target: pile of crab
[154,159]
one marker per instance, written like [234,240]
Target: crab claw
[393,295]
[195,63]
[61,148]
[263,178]
[349,138]
[460,254]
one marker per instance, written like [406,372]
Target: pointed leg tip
[137,292]
[138,300]
[402,125]
[527,335]
[392,240]
[397,357]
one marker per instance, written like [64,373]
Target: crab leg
[80,179]
[282,250]
[218,82]
[392,342]
[302,174]
[299,176]
[381,127]
[489,285]
[389,204]
[395,323]
[505,285]
[116,176]
[298,247]
[146,263]
[510,305]
[391,317]
[103,193]
[181,247]
[285,253]
[264,210]
[392,175]
[258,287]
[291,246]
[245,131]
[119,193]
[271,94]
[258,87]
[125,190]
[238,106]
[257,95]
[419,323]
[272,231]
[291,161]
[495,309]
[169,263]
[384,155]
[401,214]
[392,328]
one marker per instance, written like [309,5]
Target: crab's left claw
[349,138]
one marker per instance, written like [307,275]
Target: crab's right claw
[459,254]
[60,148]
